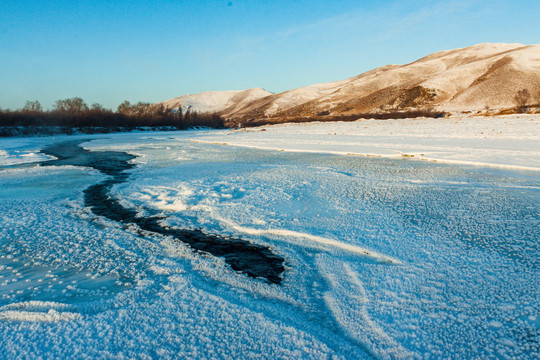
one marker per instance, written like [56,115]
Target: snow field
[462,281]
[511,142]
[441,208]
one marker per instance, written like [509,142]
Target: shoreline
[506,142]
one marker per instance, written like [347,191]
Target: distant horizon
[139,51]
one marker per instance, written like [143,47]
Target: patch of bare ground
[253,122]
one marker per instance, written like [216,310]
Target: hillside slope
[466,79]
[216,101]
[463,79]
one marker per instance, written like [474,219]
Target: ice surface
[16,151]
[461,280]
[505,141]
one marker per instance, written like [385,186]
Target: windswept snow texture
[253,260]
[386,258]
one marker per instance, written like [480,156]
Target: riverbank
[28,131]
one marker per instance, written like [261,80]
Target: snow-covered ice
[386,257]
[511,141]
[18,151]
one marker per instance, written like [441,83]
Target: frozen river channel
[374,258]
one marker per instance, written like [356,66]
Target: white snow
[386,257]
[506,141]
[42,311]
[12,156]
[301,95]
[215,101]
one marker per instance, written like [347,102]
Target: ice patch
[17,157]
[38,311]
[165,198]
[176,199]
[312,241]
[50,316]
[35,305]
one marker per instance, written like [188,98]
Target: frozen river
[382,258]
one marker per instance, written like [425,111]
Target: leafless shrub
[32,106]
[521,99]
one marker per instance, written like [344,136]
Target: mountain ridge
[215,101]
[473,78]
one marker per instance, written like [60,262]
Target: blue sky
[109,51]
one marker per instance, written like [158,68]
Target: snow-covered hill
[216,101]
[463,79]
[471,78]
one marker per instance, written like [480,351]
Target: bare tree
[32,106]
[97,107]
[124,108]
[74,105]
[522,98]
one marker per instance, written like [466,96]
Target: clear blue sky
[108,51]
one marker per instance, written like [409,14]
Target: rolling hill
[467,79]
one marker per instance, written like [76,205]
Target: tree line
[325,116]
[73,114]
